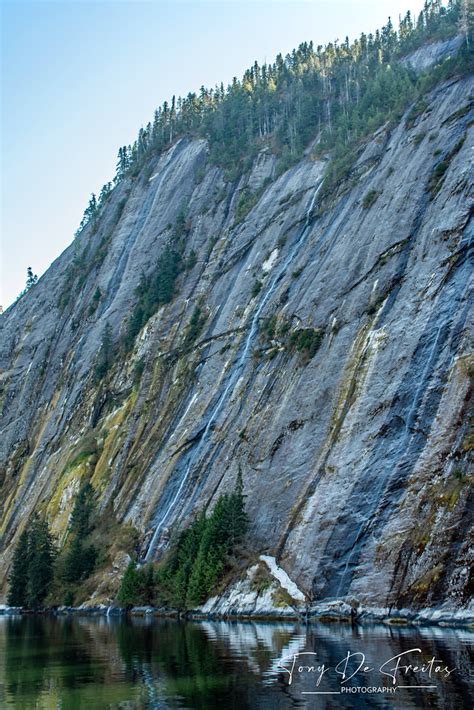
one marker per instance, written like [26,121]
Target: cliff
[322,347]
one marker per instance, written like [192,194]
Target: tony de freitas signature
[356,662]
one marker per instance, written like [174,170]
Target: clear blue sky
[80,78]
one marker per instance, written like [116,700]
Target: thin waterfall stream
[238,368]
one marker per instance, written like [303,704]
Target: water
[86,662]
[237,370]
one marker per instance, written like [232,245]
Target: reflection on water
[84,662]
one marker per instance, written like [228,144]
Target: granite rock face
[355,461]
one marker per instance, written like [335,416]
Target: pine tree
[104,193]
[203,551]
[128,585]
[80,523]
[79,558]
[149,584]
[238,518]
[40,562]
[18,578]
[138,585]
[31,278]
[105,356]
[90,214]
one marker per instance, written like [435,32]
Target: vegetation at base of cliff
[262,579]
[32,568]
[43,573]
[197,562]
[78,558]
[138,585]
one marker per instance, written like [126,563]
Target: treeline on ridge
[333,95]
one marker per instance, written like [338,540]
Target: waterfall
[241,362]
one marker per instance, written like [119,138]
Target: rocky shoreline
[337,611]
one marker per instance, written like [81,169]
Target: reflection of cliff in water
[148,663]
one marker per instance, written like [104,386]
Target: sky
[79,78]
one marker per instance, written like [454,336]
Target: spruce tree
[40,562]
[18,578]
[238,518]
[130,587]
[203,551]
[105,355]
[80,523]
[31,278]
[79,559]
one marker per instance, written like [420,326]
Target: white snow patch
[283,578]
[269,263]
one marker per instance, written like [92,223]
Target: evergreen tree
[31,278]
[40,562]
[238,518]
[129,586]
[104,193]
[90,214]
[80,523]
[18,578]
[202,553]
[137,586]
[105,355]
[79,558]
[32,570]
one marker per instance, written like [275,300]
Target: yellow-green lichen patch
[9,503]
[446,493]
[114,428]
[60,505]
[423,585]
[22,480]
[352,380]
[281,598]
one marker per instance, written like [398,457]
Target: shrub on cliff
[105,355]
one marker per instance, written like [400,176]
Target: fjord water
[107,662]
